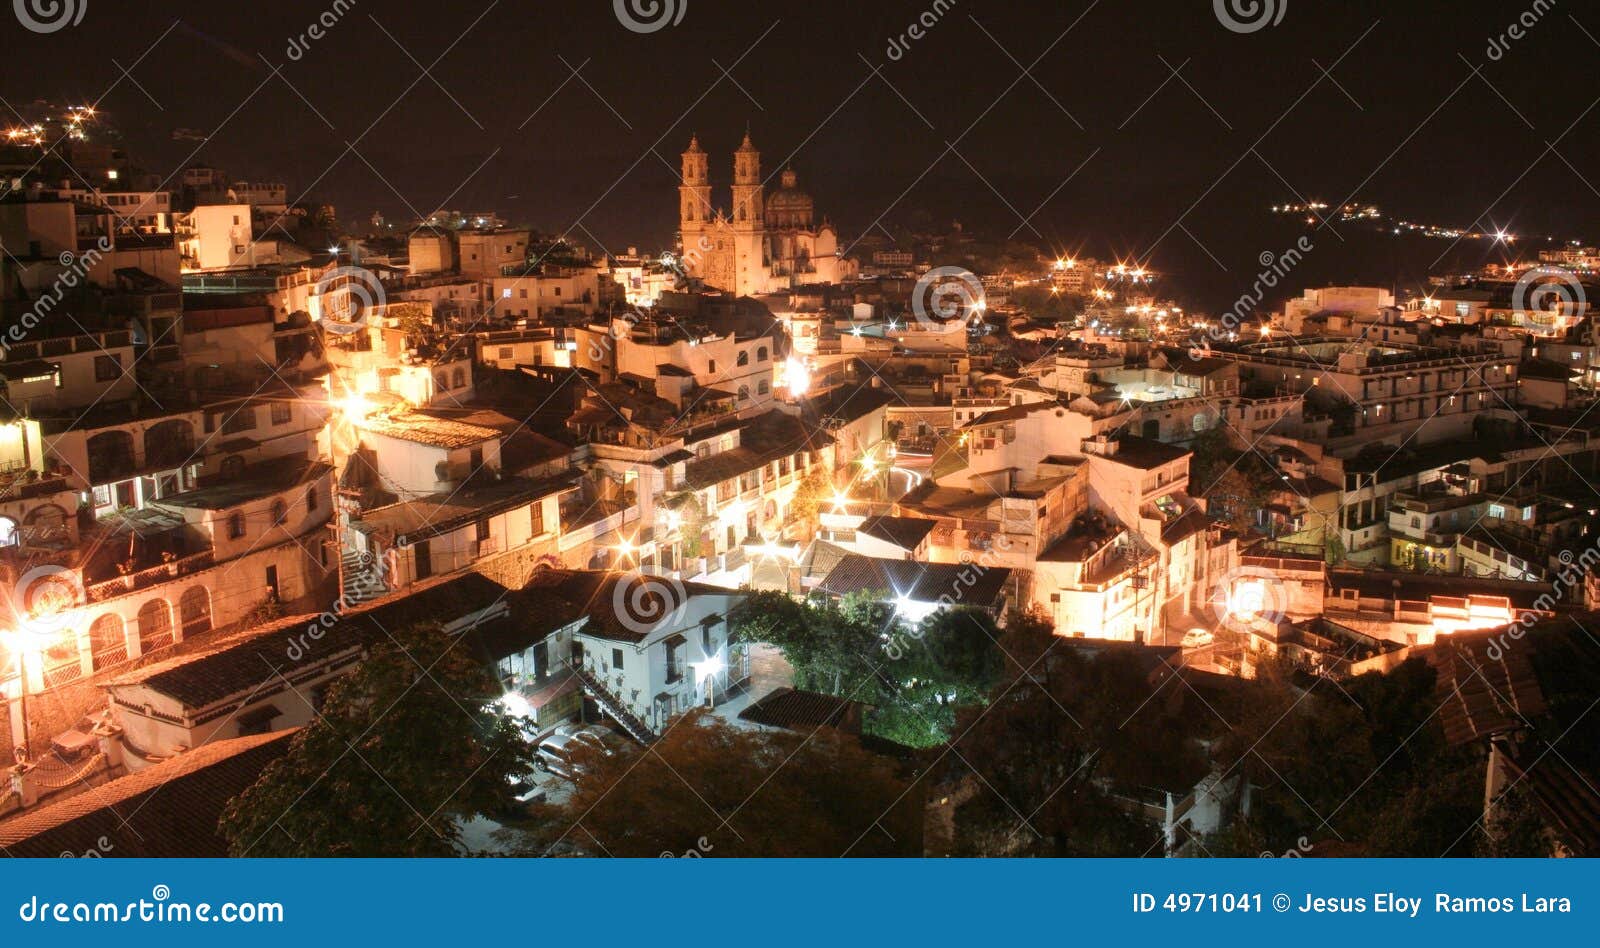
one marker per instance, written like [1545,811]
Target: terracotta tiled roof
[426,429]
[168,810]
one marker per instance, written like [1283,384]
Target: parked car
[1198,638]
[554,754]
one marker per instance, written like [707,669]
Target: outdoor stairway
[362,583]
[613,705]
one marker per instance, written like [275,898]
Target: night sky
[1167,167]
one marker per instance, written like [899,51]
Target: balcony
[153,576]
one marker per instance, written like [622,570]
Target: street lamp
[707,671]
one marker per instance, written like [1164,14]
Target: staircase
[362,581]
[614,706]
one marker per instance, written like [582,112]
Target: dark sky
[1167,165]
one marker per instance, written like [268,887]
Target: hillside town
[992,519]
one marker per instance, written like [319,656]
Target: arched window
[46,523]
[108,641]
[440,382]
[761,354]
[280,512]
[744,392]
[155,625]
[235,525]
[458,379]
[110,456]
[194,611]
[743,360]
[169,444]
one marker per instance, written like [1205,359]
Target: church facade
[768,243]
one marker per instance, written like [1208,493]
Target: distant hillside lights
[900,45]
[298,45]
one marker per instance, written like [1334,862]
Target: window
[311,499]
[107,368]
[280,512]
[761,354]
[281,413]
[762,387]
[616,659]
[482,530]
[675,659]
[235,525]
[242,419]
[505,352]
[458,379]
[743,360]
[536,518]
[711,365]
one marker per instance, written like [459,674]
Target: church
[769,243]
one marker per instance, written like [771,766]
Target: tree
[950,660]
[411,740]
[710,788]
[835,647]
[1236,483]
[807,503]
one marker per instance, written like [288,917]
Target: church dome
[789,206]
